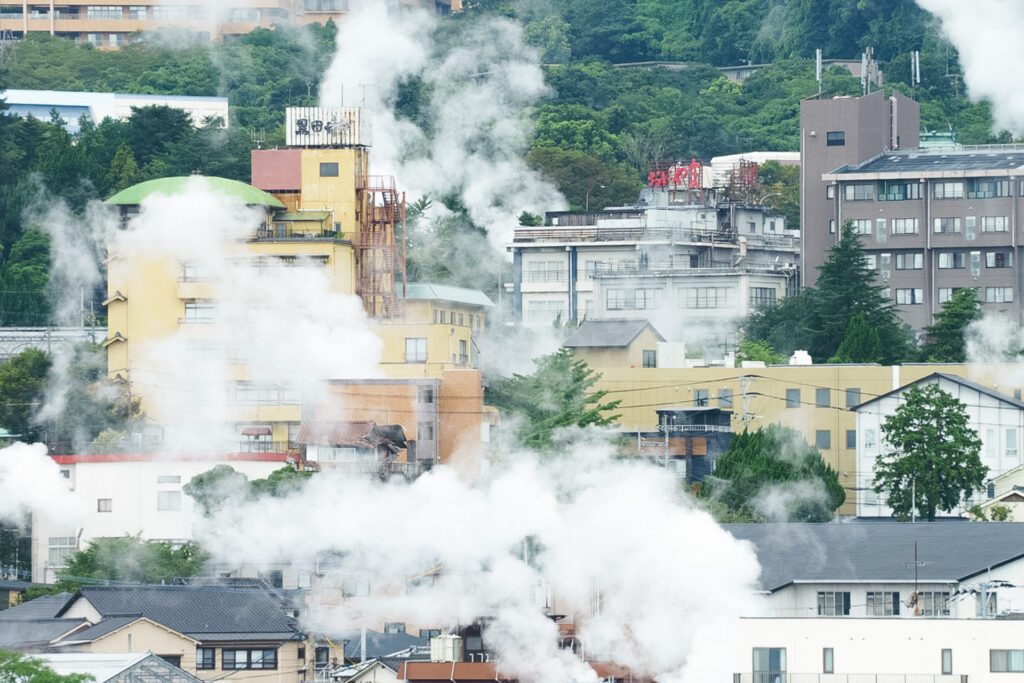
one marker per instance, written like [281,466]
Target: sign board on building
[327,127]
[676,176]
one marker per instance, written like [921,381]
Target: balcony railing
[646,234]
[673,429]
[775,677]
[289,236]
[370,467]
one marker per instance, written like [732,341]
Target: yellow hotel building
[110,25]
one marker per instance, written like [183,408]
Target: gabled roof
[608,333]
[201,613]
[378,644]
[25,634]
[955,379]
[131,666]
[949,551]
[430,292]
[179,184]
[45,607]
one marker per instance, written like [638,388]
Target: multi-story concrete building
[935,222]
[683,266]
[110,26]
[837,132]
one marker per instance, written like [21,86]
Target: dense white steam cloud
[29,480]
[474,133]
[652,581]
[986,34]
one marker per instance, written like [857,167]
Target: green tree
[861,344]
[758,351]
[281,482]
[772,474]
[944,339]
[16,667]
[933,462]
[22,382]
[131,559]
[25,277]
[124,171]
[153,130]
[557,394]
[220,487]
[15,551]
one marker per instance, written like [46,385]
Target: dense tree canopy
[944,339]
[223,486]
[772,474]
[16,667]
[933,462]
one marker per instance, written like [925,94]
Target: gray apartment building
[931,221]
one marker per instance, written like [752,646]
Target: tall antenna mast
[817,69]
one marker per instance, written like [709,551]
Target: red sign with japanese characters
[677,175]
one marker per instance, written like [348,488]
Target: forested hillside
[595,135]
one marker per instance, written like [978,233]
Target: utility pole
[745,400]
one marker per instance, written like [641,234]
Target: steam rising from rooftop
[986,35]
[29,480]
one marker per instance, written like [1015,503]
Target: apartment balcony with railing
[642,233]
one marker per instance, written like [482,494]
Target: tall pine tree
[944,339]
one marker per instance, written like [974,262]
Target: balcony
[673,429]
[295,236]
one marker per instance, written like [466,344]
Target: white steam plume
[986,34]
[651,581]
[29,480]
[474,133]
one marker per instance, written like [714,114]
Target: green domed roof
[177,184]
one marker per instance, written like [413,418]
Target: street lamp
[760,202]
[586,201]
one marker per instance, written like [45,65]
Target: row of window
[822,397]
[900,190]
[770,663]
[416,351]
[700,398]
[235,659]
[884,603]
[908,296]
[476,322]
[941,225]
[166,501]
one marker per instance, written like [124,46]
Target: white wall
[991,418]
[133,490]
[880,646]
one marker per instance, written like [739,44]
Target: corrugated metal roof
[608,333]
[23,633]
[45,607]
[433,292]
[879,551]
[179,184]
[955,379]
[919,161]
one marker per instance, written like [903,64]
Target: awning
[257,431]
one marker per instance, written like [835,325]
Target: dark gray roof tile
[607,333]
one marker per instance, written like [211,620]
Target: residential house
[997,418]
[128,667]
[953,569]
[1004,490]
[616,343]
[11,592]
[209,632]
[687,441]
[356,446]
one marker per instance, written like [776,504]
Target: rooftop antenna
[915,72]
[817,69]
[864,83]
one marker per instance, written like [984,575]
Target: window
[835,138]
[170,13]
[947,225]
[1001,661]
[822,398]
[762,296]
[859,192]
[545,311]
[428,633]
[61,548]
[168,479]
[355,586]
[95,39]
[650,358]
[394,628]
[984,188]
[633,299]
[951,260]
[998,295]
[909,261]
[948,190]
[137,12]
[792,398]
[851,439]
[909,296]
[168,501]
[103,12]
[947,661]
[425,431]
[830,193]
[700,398]
[995,223]
[827,660]
[904,226]
[823,439]
[883,603]
[104,505]
[116,39]
[999,259]
[425,394]
[244,14]
[946,293]
[933,604]
[415,350]
[871,261]
[833,603]
[253,394]
[769,664]
[861,226]
[65,473]
[460,318]
[325,5]
[725,398]
[852,397]
[1011,443]
[206,657]
[321,658]
[248,659]
[706,297]
[199,312]
[546,271]
[590,268]
[329,169]
[897,190]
